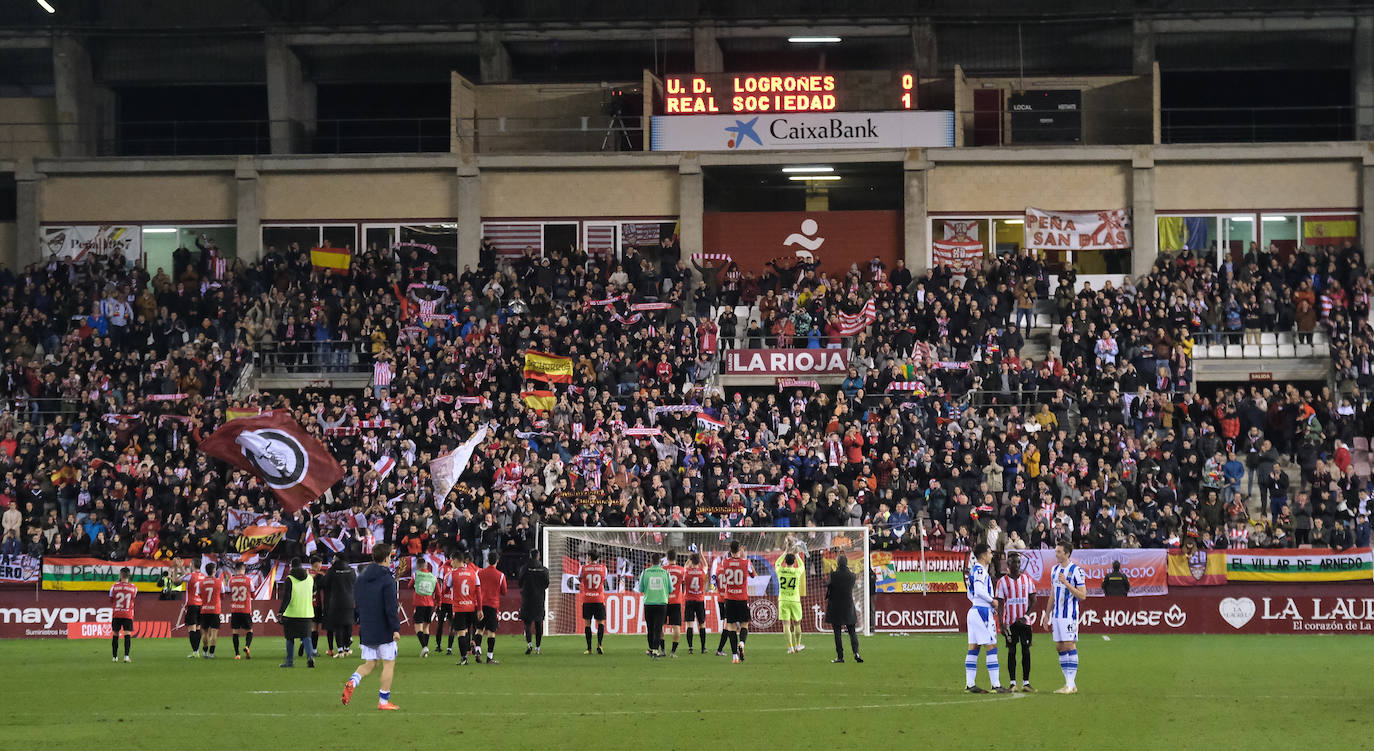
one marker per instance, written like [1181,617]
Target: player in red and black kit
[317,600]
[694,600]
[443,601]
[734,578]
[209,586]
[122,596]
[465,594]
[192,611]
[676,573]
[493,586]
[241,611]
[592,583]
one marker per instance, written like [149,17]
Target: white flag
[448,468]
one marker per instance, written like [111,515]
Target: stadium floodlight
[814,168]
[814,40]
[1274,218]
[1013,221]
[159,230]
[809,178]
[1243,218]
[45,5]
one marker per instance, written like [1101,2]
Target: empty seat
[1304,350]
[1322,349]
[1286,337]
[1250,350]
[1217,351]
[1288,350]
[1269,350]
[1361,443]
[1041,321]
[1319,337]
[1268,337]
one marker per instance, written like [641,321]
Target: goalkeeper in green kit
[656,586]
[425,582]
[791,588]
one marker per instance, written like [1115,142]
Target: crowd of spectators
[942,430]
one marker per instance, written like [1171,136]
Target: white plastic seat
[1250,350]
[1268,337]
[1269,350]
[1319,337]
[1322,349]
[1288,350]
[1216,351]
[1286,337]
[1361,443]
[1304,350]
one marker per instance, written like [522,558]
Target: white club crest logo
[277,456]
[763,613]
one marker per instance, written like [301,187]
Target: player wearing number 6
[122,596]
[1068,583]
[791,588]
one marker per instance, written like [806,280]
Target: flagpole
[925,588]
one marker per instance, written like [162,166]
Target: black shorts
[210,621]
[674,614]
[1019,633]
[655,614]
[444,613]
[423,614]
[241,621]
[489,620]
[121,624]
[736,611]
[193,616]
[460,620]
[696,611]
[595,610]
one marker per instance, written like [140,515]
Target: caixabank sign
[789,131]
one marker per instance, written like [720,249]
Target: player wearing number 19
[592,583]
[791,588]
[657,587]
[122,596]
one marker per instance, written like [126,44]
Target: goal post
[627,551]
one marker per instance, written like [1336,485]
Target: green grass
[1168,692]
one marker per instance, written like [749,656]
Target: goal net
[626,552]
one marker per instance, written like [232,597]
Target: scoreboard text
[731,93]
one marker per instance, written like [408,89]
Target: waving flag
[707,423]
[278,451]
[543,401]
[541,366]
[446,470]
[383,466]
[333,260]
[850,325]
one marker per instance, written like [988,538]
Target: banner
[334,260]
[93,574]
[79,242]
[832,130]
[539,400]
[259,538]
[20,569]
[540,366]
[1243,608]
[1202,568]
[849,325]
[1314,565]
[446,470]
[786,362]
[959,249]
[1077,230]
[278,451]
[1330,230]
[902,571]
[1146,568]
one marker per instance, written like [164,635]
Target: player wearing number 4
[122,596]
[1068,586]
[982,623]
[791,588]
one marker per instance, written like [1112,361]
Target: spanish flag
[234,414]
[1330,230]
[1202,568]
[542,401]
[335,260]
[541,366]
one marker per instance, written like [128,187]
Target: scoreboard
[754,93]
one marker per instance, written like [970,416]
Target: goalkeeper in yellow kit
[791,588]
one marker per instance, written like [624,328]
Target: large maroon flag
[277,450]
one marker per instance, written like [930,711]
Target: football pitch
[1280,692]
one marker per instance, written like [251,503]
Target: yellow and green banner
[94,574]
[905,571]
[1301,565]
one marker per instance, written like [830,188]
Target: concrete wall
[9,251]
[28,127]
[1011,187]
[1257,185]
[580,193]
[356,195]
[138,198]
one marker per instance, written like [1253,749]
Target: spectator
[1116,584]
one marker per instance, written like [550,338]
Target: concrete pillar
[1367,204]
[248,210]
[691,192]
[291,101]
[925,57]
[84,110]
[1144,229]
[467,212]
[493,57]
[706,51]
[1142,47]
[916,213]
[1362,78]
[29,187]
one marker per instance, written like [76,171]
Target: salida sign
[786,362]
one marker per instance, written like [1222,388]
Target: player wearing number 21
[1068,586]
[122,596]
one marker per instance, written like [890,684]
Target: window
[307,236]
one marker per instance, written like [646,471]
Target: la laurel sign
[786,362]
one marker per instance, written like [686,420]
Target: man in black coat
[839,608]
[339,612]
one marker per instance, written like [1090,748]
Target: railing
[1264,344]
[559,134]
[314,356]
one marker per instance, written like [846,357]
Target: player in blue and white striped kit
[1069,585]
[982,623]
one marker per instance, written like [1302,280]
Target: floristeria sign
[784,362]
[1078,230]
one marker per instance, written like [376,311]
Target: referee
[1016,598]
[534,583]
[656,586]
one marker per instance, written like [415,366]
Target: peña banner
[94,574]
[1147,568]
[905,571]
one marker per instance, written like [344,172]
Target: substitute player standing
[791,588]
[534,587]
[209,586]
[1016,598]
[734,576]
[493,584]
[592,583]
[465,594]
[122,596]
[982,623]
[1068,582]
[192,611]
[694,600]
[241,611]
[677,574]
[422,604]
